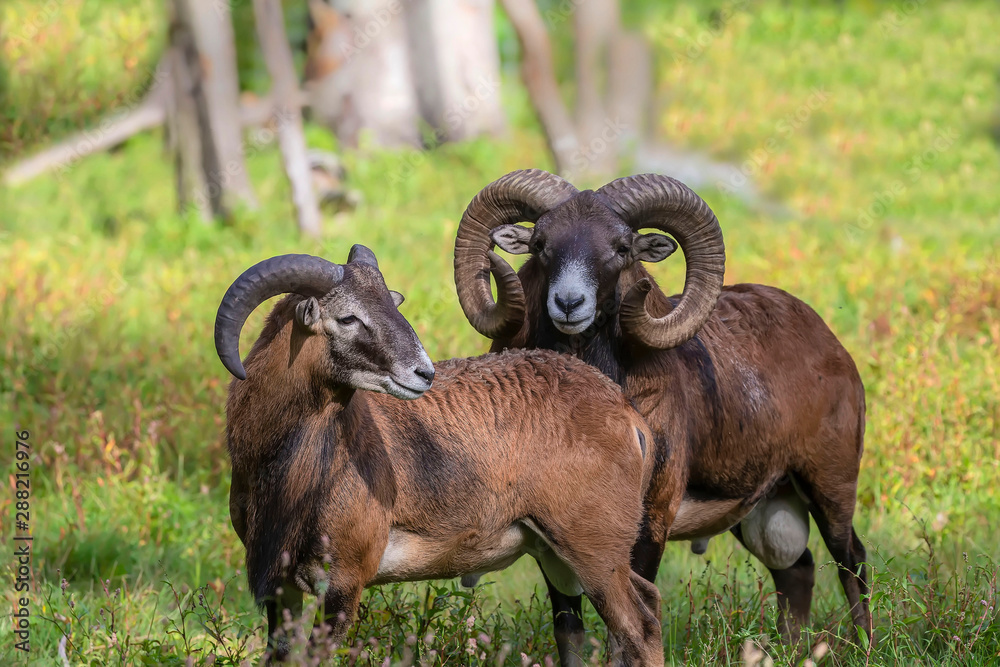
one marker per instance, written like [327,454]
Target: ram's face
[371,345]
[582,247]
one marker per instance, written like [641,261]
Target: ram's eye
[538,247]
[350,319]
[623,250]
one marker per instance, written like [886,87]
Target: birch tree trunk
[595,23]
[359,76]
[455,60]
[285,91]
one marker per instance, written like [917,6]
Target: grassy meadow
[874,127]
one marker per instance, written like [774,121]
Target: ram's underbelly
[698,518]
[412,557]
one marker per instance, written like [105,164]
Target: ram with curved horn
[757,409]
[338,485]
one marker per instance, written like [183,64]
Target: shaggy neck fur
[285,430]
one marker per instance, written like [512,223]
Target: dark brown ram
[756,407]
[338,485]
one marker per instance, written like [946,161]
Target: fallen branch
[111,132]
[119,127]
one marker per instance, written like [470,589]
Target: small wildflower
[470,622]
[821,650]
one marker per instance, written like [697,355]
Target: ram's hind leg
[567,624]
[832,502]
[629,605]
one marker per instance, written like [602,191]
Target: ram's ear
[652,247]
[307,314]
[397,298]
[512,238]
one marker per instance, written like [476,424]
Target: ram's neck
[281,394]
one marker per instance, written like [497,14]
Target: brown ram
[756,407]
[336,489]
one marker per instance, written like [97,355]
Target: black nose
[569,304]
[425,373]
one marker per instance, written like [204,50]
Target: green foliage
[69,63]
[870,124]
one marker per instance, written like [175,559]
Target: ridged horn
[296,274]
[661,202]
[520,196]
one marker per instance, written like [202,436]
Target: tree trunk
[540,80]
[456,66]
[359,76]
[631,85]
[285,89]
[205,128]
[596,23]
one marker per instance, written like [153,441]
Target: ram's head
[367,343]
[582,242]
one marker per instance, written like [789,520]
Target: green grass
[108,299]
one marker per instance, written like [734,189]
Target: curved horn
[298,274]
[652,200]
[363,254]
[520,196]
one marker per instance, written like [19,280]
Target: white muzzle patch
[573,283]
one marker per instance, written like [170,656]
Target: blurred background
[151,150]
